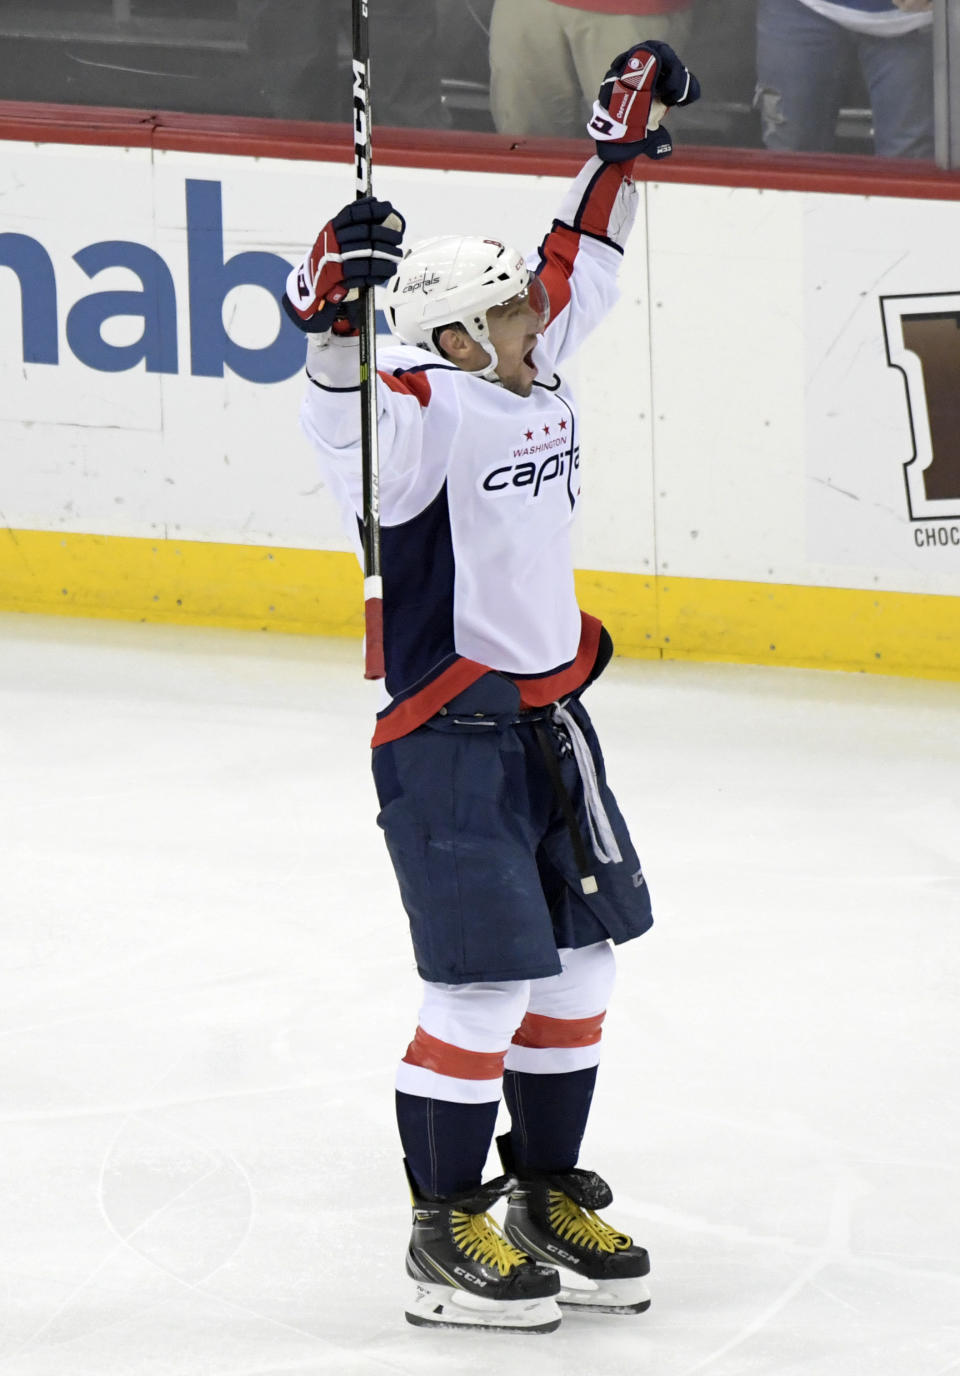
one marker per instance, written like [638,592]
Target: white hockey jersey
[478,486]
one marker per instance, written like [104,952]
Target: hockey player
[514,864]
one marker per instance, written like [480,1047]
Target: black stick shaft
[363,155]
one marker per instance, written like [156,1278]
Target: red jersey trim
[558,252]
[596,208]
[444,1059]
[414,384]
[537,692]
[534,692]
[420,707]
[540,1031]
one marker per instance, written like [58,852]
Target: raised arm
[360,246]
[579,260]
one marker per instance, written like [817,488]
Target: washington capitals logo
[422,283]
[544,455]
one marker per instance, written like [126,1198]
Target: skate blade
[441,1306]
[628,1296]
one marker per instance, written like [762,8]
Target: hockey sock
[445,1143]
[548,1116]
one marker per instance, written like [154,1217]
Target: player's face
[514,328]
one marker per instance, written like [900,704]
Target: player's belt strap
[602,839]
[588,881]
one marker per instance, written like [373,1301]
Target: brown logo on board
[922,335]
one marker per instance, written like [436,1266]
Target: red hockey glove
[360,247]
[636,91]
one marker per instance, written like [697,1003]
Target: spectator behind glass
[301,51]
[548,56]
[805,52]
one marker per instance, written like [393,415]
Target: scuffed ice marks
[184,1206]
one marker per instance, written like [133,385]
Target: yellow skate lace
[582,1226]
[480,1238]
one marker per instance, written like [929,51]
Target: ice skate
[552,1218]
[468,1275]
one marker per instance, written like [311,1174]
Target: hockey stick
[362,147]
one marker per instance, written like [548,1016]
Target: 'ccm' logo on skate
[530,474]
[467,1275]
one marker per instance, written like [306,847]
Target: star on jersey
[561,425]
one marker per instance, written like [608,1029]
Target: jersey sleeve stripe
[591,211]
[324,387]
[601,202]
[557,255]
[414,383]
[597,205]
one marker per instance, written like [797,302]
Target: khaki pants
[547,61]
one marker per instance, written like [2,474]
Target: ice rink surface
[205,984]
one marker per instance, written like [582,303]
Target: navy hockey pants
[483,855]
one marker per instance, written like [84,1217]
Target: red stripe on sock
[540,1031]
[433,1054]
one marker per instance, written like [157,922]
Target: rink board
[768,474]
[253,587]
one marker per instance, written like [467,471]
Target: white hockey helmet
[456,279]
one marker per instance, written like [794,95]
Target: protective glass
[537,299]
[533,297]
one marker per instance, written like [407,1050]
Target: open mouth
[528,360]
